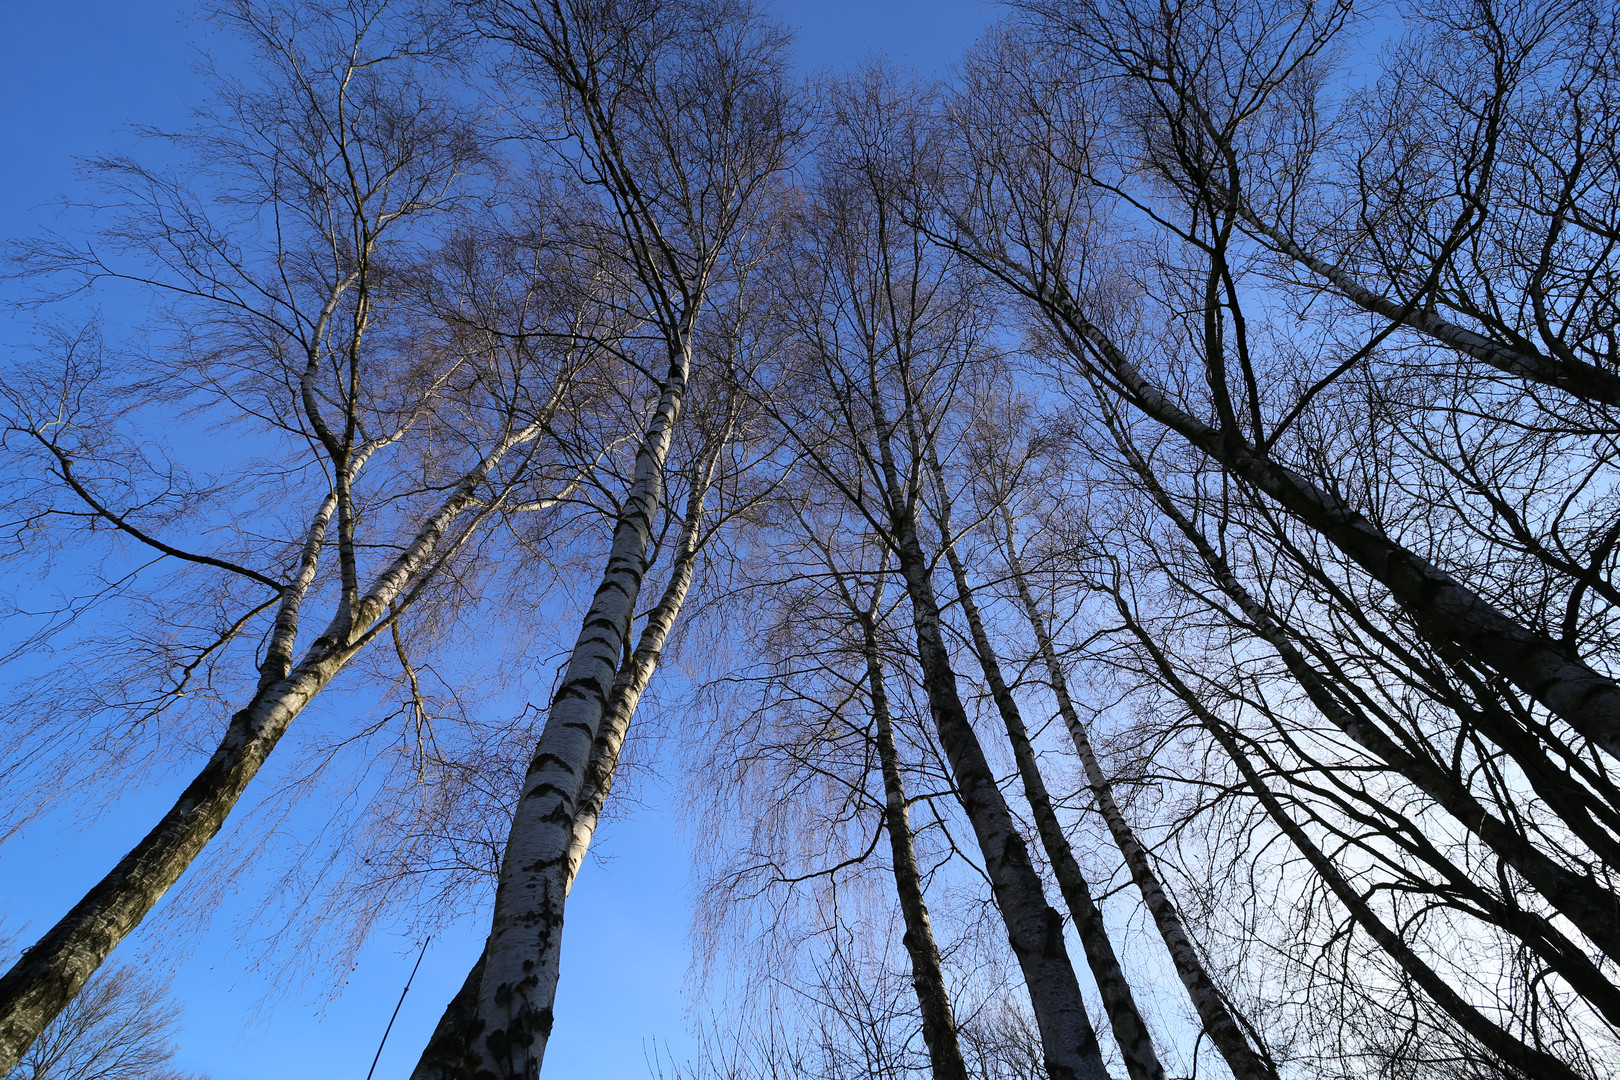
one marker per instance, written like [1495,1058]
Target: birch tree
[1036,221]
[719,473]
[677,119]
[885,326]
[294,323]
[1130,1030]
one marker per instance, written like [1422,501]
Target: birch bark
[632,681]
[927,972]
[49,974]
[521,960]
[1217,1018]
[1130,1031]
[446,1049]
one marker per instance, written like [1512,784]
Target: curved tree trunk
[1443,608]
[49,974]
[1592,909]
[1568,373]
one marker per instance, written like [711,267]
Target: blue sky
[73,77]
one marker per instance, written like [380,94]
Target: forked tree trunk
[1214,1014]
[521,962]
[1130,1031]
[632,681]
[927,973]
[447,1048]
[49,974]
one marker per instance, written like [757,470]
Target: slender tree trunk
[448,1047]
[1130,1031]
[927,973]
[1592,909]
[521,961]
[1217,1018]
[1523,1059]
[1446,610]
[1035,931]
[49,974]
[1033,928]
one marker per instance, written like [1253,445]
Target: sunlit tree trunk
[447,1046]
[521,958]
[47,976]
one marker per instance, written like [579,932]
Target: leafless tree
[308,318]
[121,1027]
[888,324]
[1117,169]
[678,120]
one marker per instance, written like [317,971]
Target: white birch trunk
[1125,1018]
[48,975]
[521,963]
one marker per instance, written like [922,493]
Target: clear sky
[73,77]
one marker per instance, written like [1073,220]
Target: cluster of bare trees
[1148,502]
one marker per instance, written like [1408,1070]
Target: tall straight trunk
[447,1047]
[632,682]
[522,956]
[1589,907]
[1035,931]
[1444,609]
[1214,1014]
[1521,1058]
[47,976]
[927,973]
[1130,1031]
